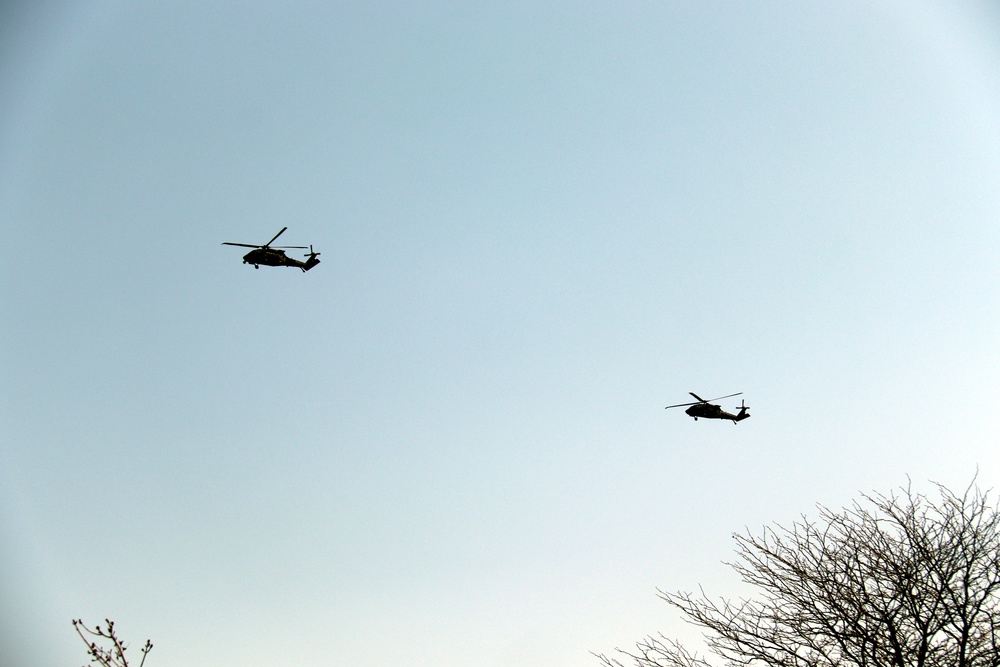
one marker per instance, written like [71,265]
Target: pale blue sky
[540,223]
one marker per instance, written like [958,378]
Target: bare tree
[895,580]
[104,647]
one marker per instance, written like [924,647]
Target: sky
[540,223]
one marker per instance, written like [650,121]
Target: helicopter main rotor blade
[288,246]
[275,237]
[242,245]
[702,400]
[681,405]
[722,397]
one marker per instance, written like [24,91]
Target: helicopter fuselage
[267,257]
[710,411]
[275,257]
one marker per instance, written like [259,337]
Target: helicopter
[275,256]
[703,408]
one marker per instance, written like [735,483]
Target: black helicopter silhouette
[707,410]
[275,256]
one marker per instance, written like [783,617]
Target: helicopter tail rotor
[311,259]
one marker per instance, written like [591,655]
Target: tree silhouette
[895,580]
[104,647]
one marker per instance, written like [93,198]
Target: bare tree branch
[104,647]
[895,580]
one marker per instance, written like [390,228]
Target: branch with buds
[104,647]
